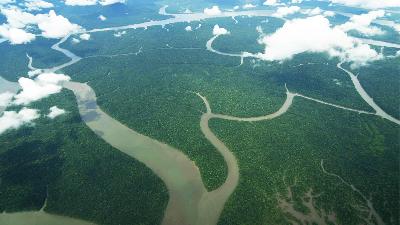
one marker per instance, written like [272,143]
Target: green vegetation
[83,176]
[381,81]
[13,63]
[313,75]
[287,151]
[153,92]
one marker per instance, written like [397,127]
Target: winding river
[370,101]
[189,201]
[360,90]
[209,47]
[38,218]
[178,172]
[371,209]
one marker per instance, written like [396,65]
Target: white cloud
[361,23]
[33,73]
[51,24]
[6,98]
[318,11]
[41,87]
[15,35]
[285,11]
[213,11]
[259,30]
[397,54]
[271,2]
[19,19]
[219,30]
[57,26]
[92,2]
[110,2]
[315,34]
[52,78]
[4,2]
[313,12]
[361,54]
[119,33]
[236,7]
[75,40]
[84,36]
[80,2]
[396,27]
[55,112]
[188,28]
[13,120]
[329,14]
[369,4]
[297,1]
[249,6]
[102,18]
[33,5]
